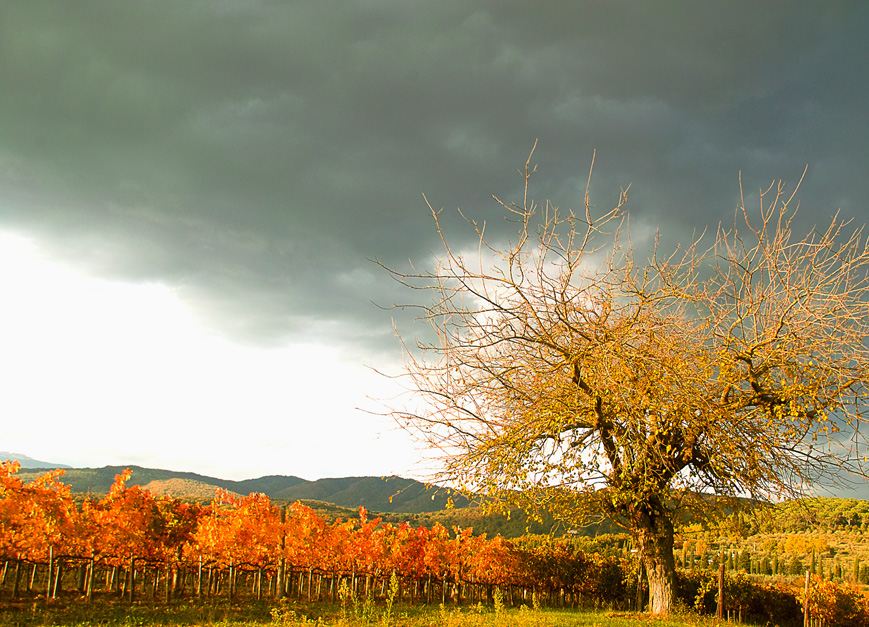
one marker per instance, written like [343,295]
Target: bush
[759,602]
[838,605]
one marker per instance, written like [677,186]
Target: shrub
[838,605]
[760,602]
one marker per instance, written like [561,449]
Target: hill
[381,494]
[182,488]
[514,526]
[29,462]
[98,481]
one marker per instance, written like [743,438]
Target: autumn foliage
[285,550]
[837,605]
[40,523]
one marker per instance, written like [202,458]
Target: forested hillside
[828,537]
[382,494]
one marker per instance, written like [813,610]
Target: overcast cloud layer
[254,156]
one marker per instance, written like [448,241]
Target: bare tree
[568,376]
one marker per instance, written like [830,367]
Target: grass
[222,614]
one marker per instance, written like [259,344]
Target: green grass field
[76,614]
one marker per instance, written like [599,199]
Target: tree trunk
[654,540]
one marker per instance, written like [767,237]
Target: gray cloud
[255,155]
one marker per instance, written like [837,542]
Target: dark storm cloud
[254,155]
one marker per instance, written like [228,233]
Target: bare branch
[568,374]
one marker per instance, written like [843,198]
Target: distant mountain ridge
[411,501]
[29,462]
[378,494]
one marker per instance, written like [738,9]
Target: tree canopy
[571,374]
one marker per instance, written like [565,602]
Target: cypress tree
[745,560]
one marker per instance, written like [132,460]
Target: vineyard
[135,546]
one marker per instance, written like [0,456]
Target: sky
[194,196]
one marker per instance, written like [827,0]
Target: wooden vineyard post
[806,602]
[168,591]
[282,562]
[132,578]
[17,581]
[50,570]
[719,614]
[90,577]
[231,579]
[57,586]
[155,582]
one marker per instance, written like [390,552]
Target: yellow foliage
[803,545]
[569,374]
